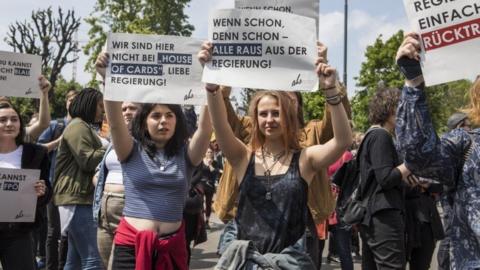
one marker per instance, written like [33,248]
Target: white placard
[153,68]
[450,34]
[262,49]
[19,74]
[17,195]
[307,8]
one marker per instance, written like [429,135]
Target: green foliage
[28,106]
[380,68]
[313,105]
[25,106]
[445,99]
[57,104]
[165,17]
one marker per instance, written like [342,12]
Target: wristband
[410,68]
[330,88]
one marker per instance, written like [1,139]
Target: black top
[209,177]
[275,223]
[378,162]
[420,208]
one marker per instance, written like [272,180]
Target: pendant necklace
[162,163]
[268,171]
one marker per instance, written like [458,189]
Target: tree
[57,101]
[380,68]
[57,106]
[313,105]
[48,36]
[164,17]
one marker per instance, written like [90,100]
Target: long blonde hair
[473,109]
[288,118]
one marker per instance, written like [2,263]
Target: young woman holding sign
[273,171]
[157,162]
[16,248]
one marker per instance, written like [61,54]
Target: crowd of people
[138,197]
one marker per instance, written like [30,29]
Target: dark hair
[19,140]
[84,105]
[140,131]
[383,105]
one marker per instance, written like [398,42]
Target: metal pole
[345,47]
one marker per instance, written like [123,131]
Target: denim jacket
[453,160]
[102,176]
[241,254]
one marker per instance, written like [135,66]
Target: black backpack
[346,178]
[353,202]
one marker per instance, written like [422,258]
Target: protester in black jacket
[383,180]
[16,242]
[423,225]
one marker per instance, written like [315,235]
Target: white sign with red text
[262,49]
[17,194]
[450,35]
[19,74]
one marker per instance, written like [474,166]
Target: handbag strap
[360,193]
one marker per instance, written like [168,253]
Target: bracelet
[334,97]
[330,88]
[334,103]
[334,100]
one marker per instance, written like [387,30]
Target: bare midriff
[115,188]
[160,227]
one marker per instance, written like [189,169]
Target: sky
[367,20]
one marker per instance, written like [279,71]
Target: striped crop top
[156,189]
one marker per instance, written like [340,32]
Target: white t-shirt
[12,160]
[114,168]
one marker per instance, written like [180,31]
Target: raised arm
[317,157]
[323,129]
[200,139]
[425,154]
[44,118]
[235,151]
[241,127]
[121,139]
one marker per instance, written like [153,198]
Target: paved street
[204,255]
